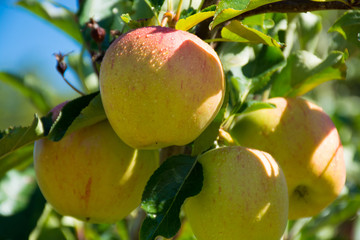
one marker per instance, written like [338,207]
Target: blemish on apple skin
[301,191]
[86,196]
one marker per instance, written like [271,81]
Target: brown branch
[293,6]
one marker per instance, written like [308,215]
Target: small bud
[61,65]
[97,33]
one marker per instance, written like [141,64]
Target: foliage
[267,48]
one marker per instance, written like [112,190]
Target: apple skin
[92,175]
[304,141]
[244,196]
[160,87]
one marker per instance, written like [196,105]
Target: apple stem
[226,137]
[178,11]
[72,86]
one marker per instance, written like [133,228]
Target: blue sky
[27,44]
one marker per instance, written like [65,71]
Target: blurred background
[27,47]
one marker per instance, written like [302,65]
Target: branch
[288,6]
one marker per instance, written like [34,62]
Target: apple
[304,141]
[244,196]
[92,175]
[160,87]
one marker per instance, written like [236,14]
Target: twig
[298,6]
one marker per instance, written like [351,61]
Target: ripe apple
[304,141]
[244,196]
[92,175]
[160,87]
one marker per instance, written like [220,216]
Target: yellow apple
[304,141]
[92,175]
[160,87]
[244,196]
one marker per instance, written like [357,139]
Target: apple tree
[214,119]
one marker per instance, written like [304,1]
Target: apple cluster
[162,87]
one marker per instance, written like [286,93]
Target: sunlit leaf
[304,71]
[193,20]
[176,179]
[14,138]
[238,32]
[56,15]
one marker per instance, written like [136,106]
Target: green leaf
[17,158]
[178,178]
[21,224]
[348,26]
[238,32]
[349,19]
[304,71]
[193,20]
[56,15]
[32,93]
[259,70]
[133,24]
[228,9]
[91,114]
[17,137]
[78,113]
[251,106]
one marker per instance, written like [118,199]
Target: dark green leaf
[17,137]
[61,17]
[176,179]
[304,71]
[267,60]
[21,224]
[29,91]
[81,112]
[348,26]
[349,19]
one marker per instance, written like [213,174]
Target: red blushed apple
[244,196]
[92,175]
[160,87]
[304,141]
